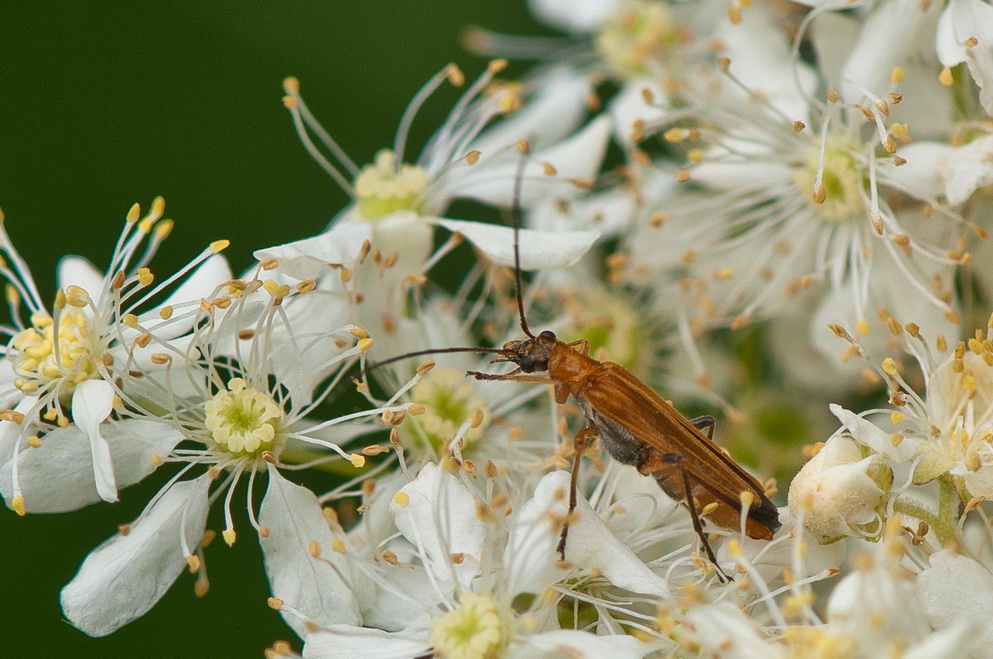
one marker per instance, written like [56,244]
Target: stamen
[302,119]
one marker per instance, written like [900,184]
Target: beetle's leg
[676,459]
[578,444]
[707,422]
[582,346]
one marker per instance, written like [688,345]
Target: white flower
[876,609]
[784,205]
[239,423]
[959,414]
[382,243]
[63,369]
[450,580]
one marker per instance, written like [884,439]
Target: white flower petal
[344,642]
[739,175]
[201,283]
[77,271]
[923,173]
[957,589]
[722,625]
[126,575]
[961,20]
[531,551]
[580,645]
[889,37]
[540,250]
[552,114]
[768,72]
[10,432]
[868,434]
[577,157]
[58,476]
[834,36]
[308,258]
[439,518]
[577,16]
[629,106]
[320,588]
[92,403]
[967,169]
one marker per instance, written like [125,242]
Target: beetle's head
[531,354]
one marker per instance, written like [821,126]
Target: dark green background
[106,104]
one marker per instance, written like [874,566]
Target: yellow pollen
[163,229]
[76,296]
[244,421]
[229,537]
[401,499]
[471,631]
[38,360]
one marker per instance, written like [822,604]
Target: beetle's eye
[527,364]
[548,335]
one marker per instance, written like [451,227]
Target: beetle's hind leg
[676,459]
[578,445]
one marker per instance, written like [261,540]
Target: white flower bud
[840,493]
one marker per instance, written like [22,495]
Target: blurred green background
[106,104]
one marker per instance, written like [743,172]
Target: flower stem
[944,521]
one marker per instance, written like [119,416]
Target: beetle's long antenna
[435,351]
[515,215]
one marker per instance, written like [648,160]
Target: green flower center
[640,33]
[472,631]
[381,188]
[243,421]
[844,180]
[450,400]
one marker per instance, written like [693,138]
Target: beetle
[635,425]
[638,427]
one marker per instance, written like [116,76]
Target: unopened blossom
[65,441]
[842,493]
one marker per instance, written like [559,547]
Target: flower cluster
[703,197]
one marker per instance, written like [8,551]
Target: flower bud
[840,493]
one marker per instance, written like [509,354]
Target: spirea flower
[235,421]
[63,368]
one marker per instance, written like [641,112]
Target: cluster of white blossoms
[786,200]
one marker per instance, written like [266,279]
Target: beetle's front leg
[578,445]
